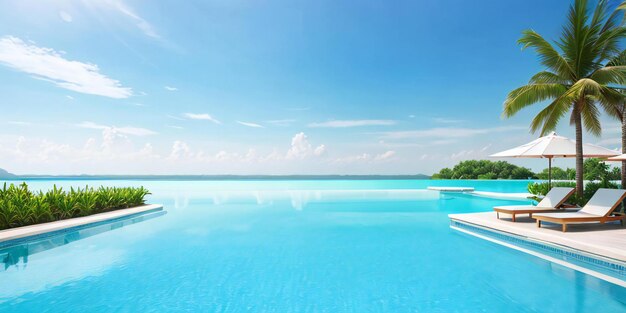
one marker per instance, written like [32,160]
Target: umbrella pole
[549,172]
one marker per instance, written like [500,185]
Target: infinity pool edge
[39,229]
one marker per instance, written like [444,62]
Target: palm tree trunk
[624,145]
[579,150]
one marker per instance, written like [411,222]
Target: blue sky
[265,87]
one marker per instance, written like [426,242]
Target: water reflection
[17,255]
[299,199]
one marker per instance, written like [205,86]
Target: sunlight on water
[334,246]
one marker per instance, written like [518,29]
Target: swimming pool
[294,246]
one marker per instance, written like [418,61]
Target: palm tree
[578,75]
[619,112]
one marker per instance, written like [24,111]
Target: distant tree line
[594,169]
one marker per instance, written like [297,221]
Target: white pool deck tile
[26,231]
[608,240]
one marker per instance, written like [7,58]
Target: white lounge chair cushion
[603,201]
[555,197]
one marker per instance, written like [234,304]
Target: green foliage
[579,69]
[541,189]
[615,174]
[595,169]
[557,173]
[20,207]
[483,169]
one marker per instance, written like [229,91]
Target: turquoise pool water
[293,246]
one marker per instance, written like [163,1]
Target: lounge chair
[598,209]
[551,202]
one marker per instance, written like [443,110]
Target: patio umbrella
[554,146]
[621,157]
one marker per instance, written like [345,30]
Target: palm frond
[612,109]
[591,117]
[610,75]
[618,59]
[547,77]
[548,55]
[548,118]
[608,43]
[621,7]
[574,37]
[530,94]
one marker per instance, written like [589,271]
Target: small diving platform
[504,195]
[451,189]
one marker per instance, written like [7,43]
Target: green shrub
[541,189]
[484,169]
[20,206]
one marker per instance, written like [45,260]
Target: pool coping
[582,269]
[564,254]
[38,229]
[556,237]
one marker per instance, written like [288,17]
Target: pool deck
[32,230]
[607,240]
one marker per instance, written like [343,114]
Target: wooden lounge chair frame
[535,209]
[575,220]
[564,221]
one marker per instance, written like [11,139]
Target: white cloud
[302,148]
[49,65]
[201,116]
[363,157]
[320,150]
[283,122]
[447,132]
[169,88]
[127,11]
[366,158]
[180,150]
[69,97]
[384,156]
[175,118]
[65,16]
[250,124]
[174,126]
[222,156]
[126,130]
[353,123]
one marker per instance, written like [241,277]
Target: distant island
[9,176]
[595,169]
[4,174]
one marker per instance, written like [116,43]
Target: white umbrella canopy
[621,157]
[554,146]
